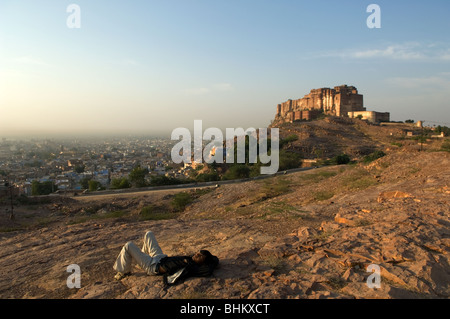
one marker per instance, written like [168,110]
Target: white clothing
[146,258]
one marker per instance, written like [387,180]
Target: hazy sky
[151,66]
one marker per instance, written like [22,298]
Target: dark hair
[208,255]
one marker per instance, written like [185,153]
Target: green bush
[375,155]
[207,177]
[120,183]
[152,212]
[84,182]
[446,146]
[337,160]
[95,186]
[287,140]
[44,188]
[180,201]
[137,176]
[162,180]
[289,160]
[439,129]
[237,171]
[341,159]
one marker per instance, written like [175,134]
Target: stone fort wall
[338,102]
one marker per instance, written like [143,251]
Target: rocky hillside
[306,235]
[332,136]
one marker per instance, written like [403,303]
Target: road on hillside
[180,187]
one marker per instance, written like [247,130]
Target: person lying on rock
[152,260]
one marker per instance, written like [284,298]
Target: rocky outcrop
[287,249]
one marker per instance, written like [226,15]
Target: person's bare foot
[119,276]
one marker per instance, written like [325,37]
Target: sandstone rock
[351,275]
[269,273]
[266,290]
[391,276]
[392,195]
[341,220]
[295,258]
[320,295]
[434,248]
[277,249]
[446,241]
[305,233]
[100,290]
[328,227]
[360,290]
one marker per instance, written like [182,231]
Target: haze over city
[148,67]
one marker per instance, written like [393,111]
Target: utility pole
[12,205]
[422,138]
[10,185]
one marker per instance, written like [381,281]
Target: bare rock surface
[304,235]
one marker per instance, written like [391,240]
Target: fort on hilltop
[342,101]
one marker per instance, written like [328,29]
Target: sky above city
[149,67]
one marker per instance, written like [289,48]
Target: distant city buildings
[67,163]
